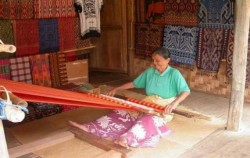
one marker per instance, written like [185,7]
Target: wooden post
[239,64]
[3,146]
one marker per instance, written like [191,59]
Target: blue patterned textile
[182,43]
[216,13]
[48,35]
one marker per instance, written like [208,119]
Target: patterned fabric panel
[5,69]
[216,13]
[80,43]
[230,57]
[40,70]
[66,33]
[148,37]
[48,35]
[182,43]
[26,37]
[212,45]
[7,36]
[181,12]
[20,69]
[16,9]
[54,8]
[58,69]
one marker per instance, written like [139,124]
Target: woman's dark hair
[164,52]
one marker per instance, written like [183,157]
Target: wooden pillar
[131,35]
[3,146]
[239,64]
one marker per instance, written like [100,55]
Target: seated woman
[164,85]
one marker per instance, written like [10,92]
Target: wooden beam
[3,146]
[239,64]
[40,144]
[99,142]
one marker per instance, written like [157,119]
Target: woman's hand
[111,92]
[169,108]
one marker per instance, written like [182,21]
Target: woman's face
[159,62]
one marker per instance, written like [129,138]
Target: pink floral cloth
[139,130]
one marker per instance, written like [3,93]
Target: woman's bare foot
[122,142]
[77,125]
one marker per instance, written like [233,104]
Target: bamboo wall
[212,83]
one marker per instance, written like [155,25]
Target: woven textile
[155,11]
[58,69]
[5,69]
[6,35]
[48,35]
[79,42]
[66,33]
[16,9]
[20,69]
[89,13]
[216,13]
[40,70]
[230,48]
[212,45]
[26,37]
[148,37]
[182,43]
[54,8]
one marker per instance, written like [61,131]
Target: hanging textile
[26,37]
[7,36]
[155,11]
[212,45]
[40,70]
[148,37]
[20,69]
[67,34]
[17,9]
[58,69]
[182,43]
[230,48]
[89,13]
[216,13]
[5,69]
[48,35]
[54,8]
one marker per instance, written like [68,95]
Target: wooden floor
[219,144]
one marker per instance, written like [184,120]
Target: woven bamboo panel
[199,80]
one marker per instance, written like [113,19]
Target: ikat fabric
[40,70]
[213,44]
[89,13]
[48,35]
[148,37]
[7,36]
[26,37]
[229,69]
[216,13]
[16,9]
[5,69]
[182,43]
[20,69]
[181,12]
[54,8]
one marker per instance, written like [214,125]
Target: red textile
[26,37]
[54,8]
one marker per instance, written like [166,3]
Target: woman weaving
[164,85]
